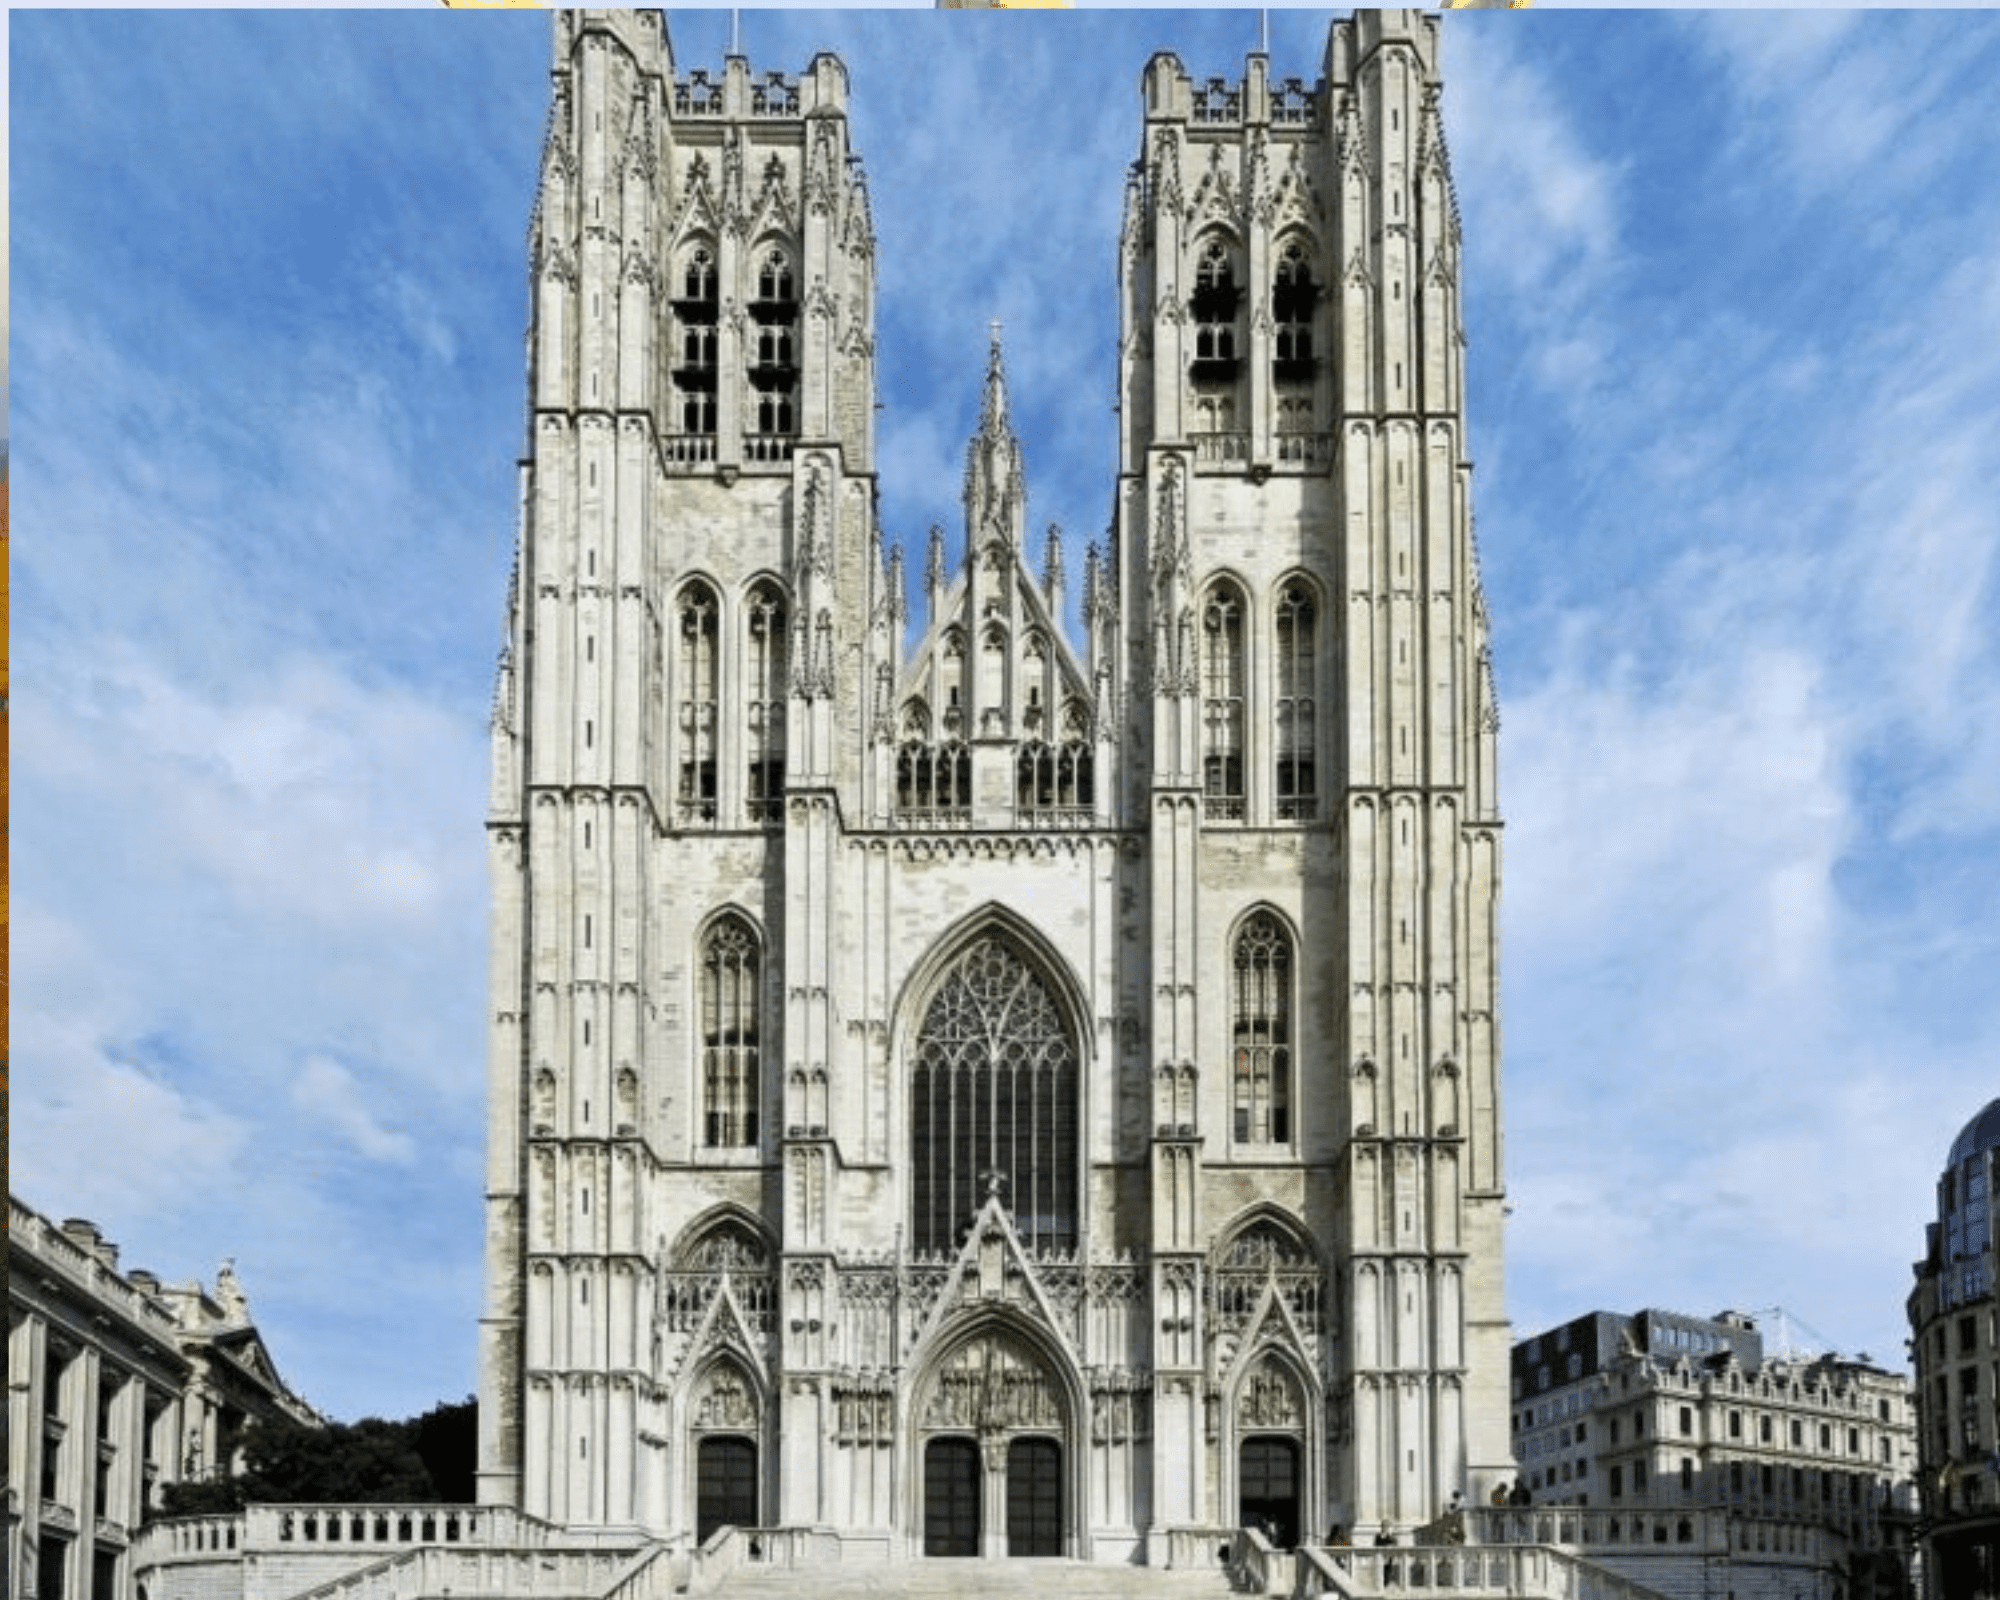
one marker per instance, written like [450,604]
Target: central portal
[994,1433]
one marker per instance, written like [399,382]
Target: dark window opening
[698,310]
[774,372]
[1293,296]
[1214,306]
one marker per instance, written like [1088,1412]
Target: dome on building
[1981,1134]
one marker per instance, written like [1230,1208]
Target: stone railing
[688,449]
[1703,1532]
[1432,1573]
[379,1552]
[1221,449]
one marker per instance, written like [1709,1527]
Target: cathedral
[957,1088]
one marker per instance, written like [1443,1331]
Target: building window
[1297,650]
[1222,703]
[1687,1422]
[1261,1032]
[699,621]
[698,311]
[729,1017]
[1293,295]
[993,1104]
[774,371]
[765,708]
[933,783]
[1213,308]
[1054,782]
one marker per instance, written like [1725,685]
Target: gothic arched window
[1293,296]
[933,783]
[1296,643]
[1214,307]
[729,1016]
[993,1104]
[774,372]
[1260,1017]
[1054,782]
[699,620]
[1222,702]
[764,708]
[698,311]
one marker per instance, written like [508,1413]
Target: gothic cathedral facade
[994,1097]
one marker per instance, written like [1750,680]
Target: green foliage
[427,1459]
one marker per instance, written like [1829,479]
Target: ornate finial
[993,414]
[1052,564]
[898,607]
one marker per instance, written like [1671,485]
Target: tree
[431,1458]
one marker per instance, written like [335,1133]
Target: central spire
[993,413]
[995,492]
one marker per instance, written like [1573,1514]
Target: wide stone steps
[938,1579]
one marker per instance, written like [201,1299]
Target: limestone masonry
[996,1097]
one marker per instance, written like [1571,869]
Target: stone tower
[993,1097]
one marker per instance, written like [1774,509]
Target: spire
[995,495]
[993,413]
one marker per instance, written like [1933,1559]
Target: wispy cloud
[1735,362]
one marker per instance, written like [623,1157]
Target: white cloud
[328,1091]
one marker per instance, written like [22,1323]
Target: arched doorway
[725,1486]
[995,1429]
[1267,1487]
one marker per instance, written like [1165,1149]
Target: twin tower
[998,1097]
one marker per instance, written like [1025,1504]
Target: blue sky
[1735,368]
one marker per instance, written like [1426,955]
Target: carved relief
[1269,1398]
[724,1400]
[992,1383]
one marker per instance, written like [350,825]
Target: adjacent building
[1955,1340]
[994,1093]
[1657,1416]
[118,1384]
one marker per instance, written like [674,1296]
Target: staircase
[936,1579]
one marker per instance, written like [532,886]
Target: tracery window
[1222,702]
[993,1104]
[699,620]
[1261,1032]
[933,783]
[729,1016]
[1054,782]
[698,310]
[1293,296]
[774,373]
[1213,307]
[764,710]
[1296,643]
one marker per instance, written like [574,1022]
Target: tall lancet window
[1297,638]
[697,708]
[1293,295]
[993,1104]
[764,711]
[698,310]
[1222,702]
[729,1035]
[774,368]
[1261,1032]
